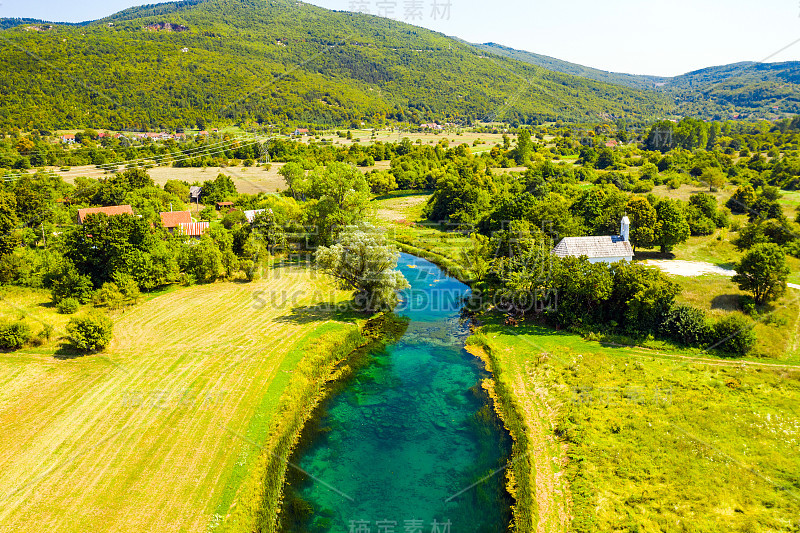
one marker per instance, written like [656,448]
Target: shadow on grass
[307,314]
[66,351]
[495,325]
[644,256]
[726,302]
[402,194]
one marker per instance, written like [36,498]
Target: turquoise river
[410,443]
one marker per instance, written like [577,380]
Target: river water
[410,444]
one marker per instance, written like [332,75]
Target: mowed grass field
[158,432]
[249,180]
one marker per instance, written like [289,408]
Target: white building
[601,249]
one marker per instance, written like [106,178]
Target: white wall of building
[609,259]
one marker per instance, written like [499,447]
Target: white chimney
[625,228]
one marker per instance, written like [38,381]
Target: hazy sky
[663,37]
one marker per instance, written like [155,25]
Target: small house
[173,219]
[251,214]
[300,131]
[599,249]
[193,229]
[194,193]
[224,206]
[108,211]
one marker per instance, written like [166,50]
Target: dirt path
[539,417]
[545,454]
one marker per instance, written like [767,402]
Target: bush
[686,325]
[14,335]
[68,306]
[643,187]
[90,333]
[109,295]
[734,334]
[69,283]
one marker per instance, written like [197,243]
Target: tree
[524,146]
[104,245]
[477,257]
[742,199]
[8,222]
[671,226]
[295,177]
[178,188]
[14,335]
[641,296]
[660,137]
[713,177]
[218,189]
[90,333]
[605,158]
[341,197]
[643,221]
[763,271]
[204,260]
[362,261]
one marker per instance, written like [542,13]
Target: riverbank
[258,505]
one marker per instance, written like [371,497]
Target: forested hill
[747,89]
[558,65]
[278,62]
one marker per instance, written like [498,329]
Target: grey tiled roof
[594,247]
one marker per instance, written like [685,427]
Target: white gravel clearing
[688,268]
[695,268]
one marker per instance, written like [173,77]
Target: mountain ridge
[286,62]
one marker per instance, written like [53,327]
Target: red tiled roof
[173,218]
[195,229]
[110,211]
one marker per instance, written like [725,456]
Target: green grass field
[157,433]
[651,441]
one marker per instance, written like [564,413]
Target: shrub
[91,332]
[686,325]
[643,187]
[69,283]
[68,306]
[109,295]
[14,335]
[734,334]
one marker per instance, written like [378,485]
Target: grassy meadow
[651,441]
[162,431]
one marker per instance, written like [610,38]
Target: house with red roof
[173,219]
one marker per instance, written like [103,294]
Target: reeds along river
[409,443]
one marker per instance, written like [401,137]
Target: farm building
[110,211]
[194,193]
[251,214]
[224,206]
[599,249]
[173,219]
[194,229]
